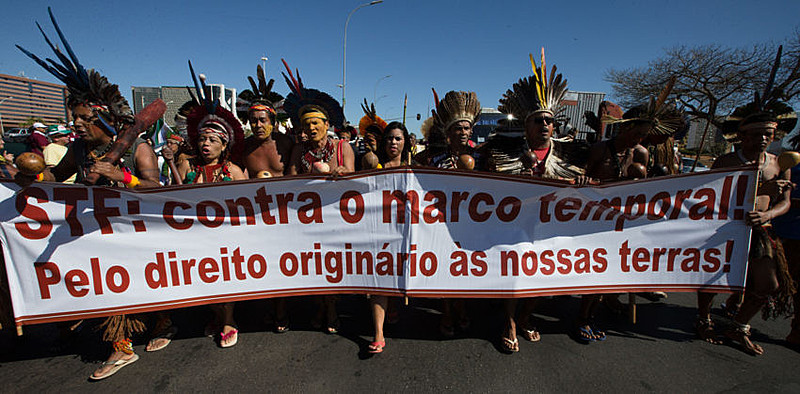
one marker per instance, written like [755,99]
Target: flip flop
[282,327]
[531,335]
[599,336]
[376,347]
[224,337]
[586,335]
[168,335]
[117,365]
[510,346]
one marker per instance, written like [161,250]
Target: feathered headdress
[763,103]
[536,93]
[263,98]
[662,114]
[457,107]
[300,96]
[209,114]
[370,118]
[85,86]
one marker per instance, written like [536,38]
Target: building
[175,96]
[575,105]
[30,98]
[714,142]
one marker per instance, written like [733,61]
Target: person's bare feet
[742,337]
[705,331]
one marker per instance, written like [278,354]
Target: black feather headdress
[766,102]
[300,96]
[208,110]
[664,117]
[262,91]
[84,86]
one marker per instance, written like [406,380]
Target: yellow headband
[759,125]
[313,115]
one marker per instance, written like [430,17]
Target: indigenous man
[767,273]
[448,132]
[623,157]
[99,111]
[535,153]
[266,152]
[266,155]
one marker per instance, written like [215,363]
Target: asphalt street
[658,354]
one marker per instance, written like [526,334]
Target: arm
[782,205]
[169,157]
[236,173]
[284,145]
[349,161]
[146,166]
[292,169]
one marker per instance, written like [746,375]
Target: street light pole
[344,46]
[264,59]
[375,91]
[2,130]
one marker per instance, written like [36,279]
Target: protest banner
[78,252]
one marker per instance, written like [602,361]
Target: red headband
[261,107]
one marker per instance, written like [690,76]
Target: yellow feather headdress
[536,93]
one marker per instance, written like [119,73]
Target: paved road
[658,354]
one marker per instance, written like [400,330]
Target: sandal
[705,331]
[531,335]
[282,326]
[117,365]
[509,345]
[333,327]
[232,335]
[167,335]
[599,336]
[741,335]
[376,347]
[585,334]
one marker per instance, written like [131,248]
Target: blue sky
[450,45]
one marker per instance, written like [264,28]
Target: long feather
[262,80]
[200,94]
[771,81]
[435,98]
[294,84]
[662,97]
[253,85]
[82,74]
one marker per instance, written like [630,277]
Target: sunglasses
[542,121]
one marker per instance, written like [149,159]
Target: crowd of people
[213,144]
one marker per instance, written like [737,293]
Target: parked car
[687,162]
[16,134]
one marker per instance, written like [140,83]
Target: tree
[711,80]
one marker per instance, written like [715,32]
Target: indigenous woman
[214,133]
[314,112]
[394,152]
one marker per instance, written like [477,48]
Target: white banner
[77,252]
